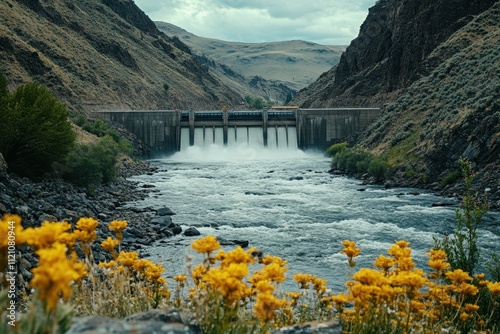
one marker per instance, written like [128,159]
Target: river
[285,203]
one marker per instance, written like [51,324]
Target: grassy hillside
[103,55]
[293,63]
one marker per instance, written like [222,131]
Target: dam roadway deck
[316,129]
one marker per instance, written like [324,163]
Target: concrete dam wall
[315,129]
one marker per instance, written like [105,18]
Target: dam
[169,131]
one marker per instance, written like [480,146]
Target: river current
[285,203]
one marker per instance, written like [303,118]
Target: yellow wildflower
[274,272]
[351,251]
[153,272]
[368,276]
[319,284]
[264,287]
[180,278]
[47,234]
[87,224]
[231,288]
[238,270]
[118,226]
[197,273]
[467,289]
[107,265]
[294,296]
[471,307]
[266,306]
[458,276]
[402,243]
[109,244]
[494,288]
[127,258]
[464,316]
[141,264]
[400,250]
[384,263]
[54,274]
[268,259]
[237,255]
[411,279]
[206,245]
[303,280]
[439,265]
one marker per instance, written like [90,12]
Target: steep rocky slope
[295,64]
[388,54]
[103,55]
[433,67]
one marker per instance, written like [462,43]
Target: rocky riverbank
[54,199]
[485,186]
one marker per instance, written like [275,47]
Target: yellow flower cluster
[206,245]
[85,231]
[118,226]
[55,274]
[109,244]
[398,290]
[58,266]
[351,251]
[225,277]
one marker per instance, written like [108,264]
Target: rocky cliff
[103,55]
[388,55]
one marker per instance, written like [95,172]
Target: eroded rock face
[387,56]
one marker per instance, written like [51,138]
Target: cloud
[320,21]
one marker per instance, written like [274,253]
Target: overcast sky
[329,22]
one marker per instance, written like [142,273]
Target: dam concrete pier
[314,129]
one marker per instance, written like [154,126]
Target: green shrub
[378,168]
[356,161]
[452,177]
[34,129]
[102,129]
[336,148]
[92,164]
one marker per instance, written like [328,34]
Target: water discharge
[284,202]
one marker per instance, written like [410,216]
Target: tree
[34,129]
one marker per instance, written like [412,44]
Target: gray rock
[103,325]
[164,212]
[46,217]
[176,229]
[191,232]
[326,327]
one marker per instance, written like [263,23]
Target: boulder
[164,212]
[191,232]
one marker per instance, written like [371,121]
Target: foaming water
[284,202]
[235,152]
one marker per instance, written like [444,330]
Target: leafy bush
[92,164]
[357,161]
[34,129]
[336,148]
[102,129]
[378,168]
